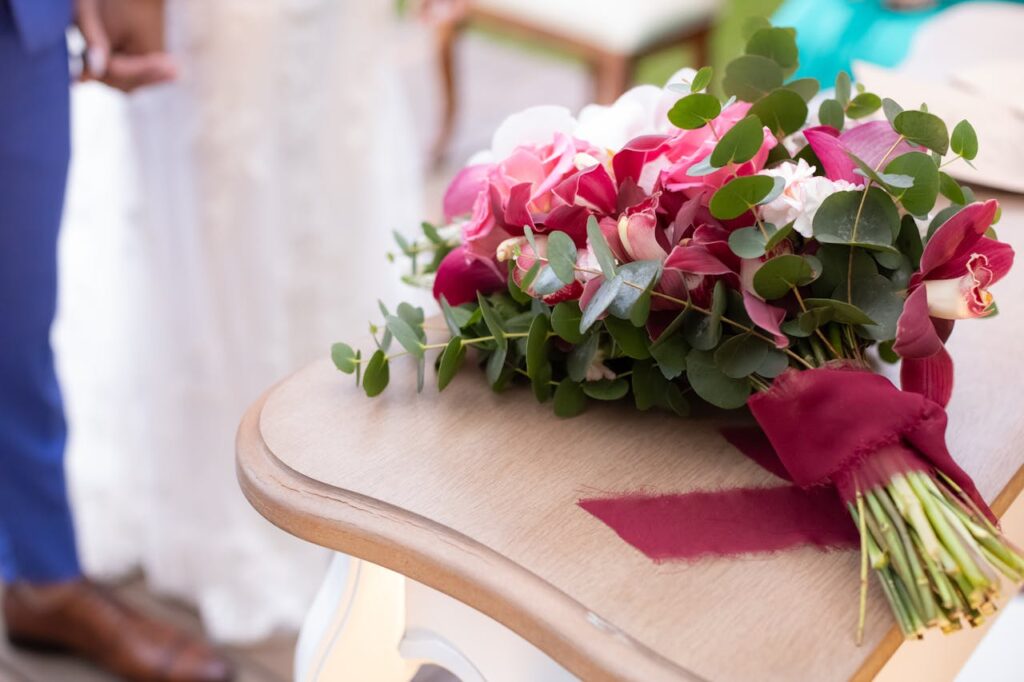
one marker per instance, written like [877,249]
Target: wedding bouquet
[754,252]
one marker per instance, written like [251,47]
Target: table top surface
[474,494]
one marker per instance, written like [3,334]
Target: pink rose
[460,277]
[689,147]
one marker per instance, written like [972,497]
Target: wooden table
[474,495]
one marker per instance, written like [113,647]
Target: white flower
[802,197]
[597,369]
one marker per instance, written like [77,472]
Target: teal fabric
[831,34]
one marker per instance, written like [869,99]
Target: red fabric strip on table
[826,430]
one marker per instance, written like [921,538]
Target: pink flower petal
[696,259]
[873,141]
[460,276]
[835,162]
[956,236]
[465,187]
[916,336]
[592,187]
[630,161]
[767,317]
[932,377]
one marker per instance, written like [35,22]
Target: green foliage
[712,384]
[866,219]
[920,197]
[694,111]
[783,110]
[451,360]
[740,143]
[923,128]
[377,374]
[344,357]
[565,321]
[561,256]
[751,76]
[570,400]
[863,105]
[831,113]
[702,79]
[778,276]
[964,141]
[741,194]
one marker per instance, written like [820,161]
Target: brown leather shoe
[83,619]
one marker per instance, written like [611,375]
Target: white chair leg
[354,628]
[472,646]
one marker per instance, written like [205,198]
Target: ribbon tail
[727,523]
[751,441]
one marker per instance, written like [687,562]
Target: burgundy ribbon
[826,431]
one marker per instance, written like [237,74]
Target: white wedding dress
[220,233]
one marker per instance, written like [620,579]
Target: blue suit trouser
[37,541]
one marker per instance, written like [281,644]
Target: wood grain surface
[474,494]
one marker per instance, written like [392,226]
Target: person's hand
[124,42]
[442,11]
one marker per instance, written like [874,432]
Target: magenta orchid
[958,265]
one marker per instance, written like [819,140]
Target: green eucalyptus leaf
[537,344]
[405,335]
[892,182]
[920,198]
[747,242]
[547,281]
[646,383]
[565,321]
[863,105]
[633,341]
[581,357]
[949,188]
[751,76]
[777,276]
[753,24]
[376,374]
[602,300]
[836,262]
[701,79]
[776,235]
[637,278]
[830,113]
[920,127]
[455,318]
[807,88]
[909,241]
[853,218]
[774,363]
[812,319]
[777,44]
[570,400]
[672,399]
[782,110]
[891,109]
[740,143]
[492,322]
[739,195]
[694,111]
[495,367]
[670,353]
[517,290]
[603,252]
[561,256]
[876,297]
[606,389]
[344,357]
[964,140]
[703,331]
[843,88]
[741,355]
[713,385]
[451,359]
[702,168]
[841,312]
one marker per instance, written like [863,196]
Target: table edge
[441,558]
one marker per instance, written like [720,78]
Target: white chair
[610,35]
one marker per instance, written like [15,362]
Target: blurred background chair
[609,35]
